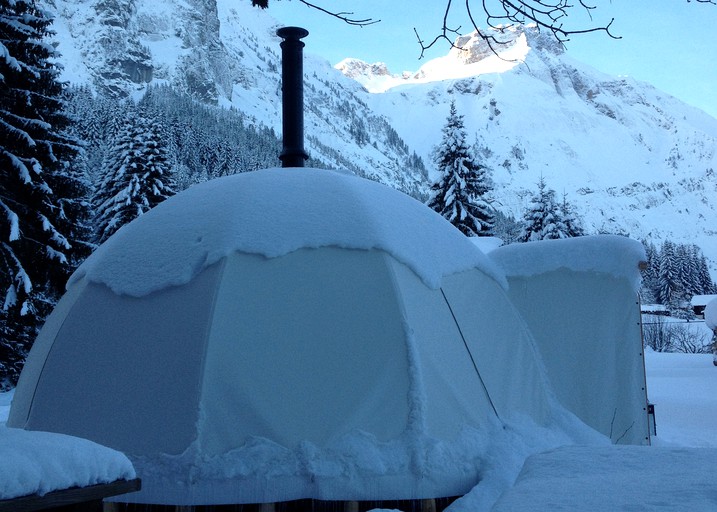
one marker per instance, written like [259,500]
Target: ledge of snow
[610,254]
[41,462]
[357,466]
[273,212]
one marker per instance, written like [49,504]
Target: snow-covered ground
[684,389]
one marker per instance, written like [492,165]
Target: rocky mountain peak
[475,47]
[354,68]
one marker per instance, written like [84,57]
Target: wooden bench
[74,499]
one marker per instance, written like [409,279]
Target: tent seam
[470,354]
[208,330]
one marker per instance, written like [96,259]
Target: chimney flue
[292,89]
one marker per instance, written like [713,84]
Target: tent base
[305,505]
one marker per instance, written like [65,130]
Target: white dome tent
[288,334]
[580,299]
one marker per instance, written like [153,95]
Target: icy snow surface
[711,314]
[611,254]
[274,212]
[41,462]
[606,479]
[684,389]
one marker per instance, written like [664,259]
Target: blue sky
[669,43]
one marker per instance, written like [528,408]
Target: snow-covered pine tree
[649,274]
[573,225]
[460,193]
[668,289]
[36,185]
[705,279]
[542,219]
[135,176]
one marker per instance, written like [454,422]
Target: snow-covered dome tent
[287,334]
[580,299]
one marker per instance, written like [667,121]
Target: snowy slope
[227,53]
[633,159]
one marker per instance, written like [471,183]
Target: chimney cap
[292,32]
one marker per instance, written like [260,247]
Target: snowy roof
[274,212]
[711,314]
[611,254]
[653,307]
[42,462]
[701,300]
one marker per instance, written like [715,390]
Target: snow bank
[41,462]
[611,254]
[615,478]
[274,212]
[357,465]
[711,314]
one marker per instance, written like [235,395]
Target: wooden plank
[70,496]
[428,505]
[351,506]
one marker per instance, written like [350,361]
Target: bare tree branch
[545,14]
[346,17]
[343,16]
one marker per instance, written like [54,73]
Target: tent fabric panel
[454,395]
[596,368]
[305,347]
[125,371]
[501,346]
[26,385]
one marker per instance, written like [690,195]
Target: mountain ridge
[633,159]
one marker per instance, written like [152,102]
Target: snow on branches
[460,193]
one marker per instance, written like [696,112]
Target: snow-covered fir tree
[136,175]
[668,287]
[573,225]
[460,193]
[649,274]
[40,197]
[543,219]
[674,274]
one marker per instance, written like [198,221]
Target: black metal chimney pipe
[292,89]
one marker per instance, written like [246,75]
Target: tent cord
[475,366]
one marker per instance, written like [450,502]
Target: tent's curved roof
[274,212]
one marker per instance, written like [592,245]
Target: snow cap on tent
[272,213]
[288,334]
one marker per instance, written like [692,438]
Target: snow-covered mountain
[633,159]
[226,52]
